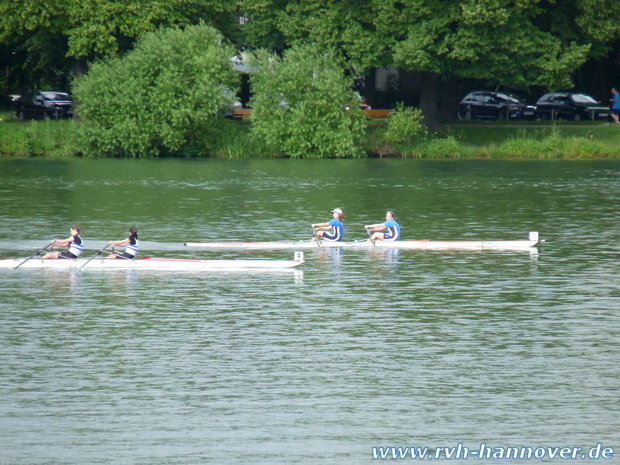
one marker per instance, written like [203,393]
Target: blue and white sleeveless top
[393,231]
[132,246]
[337,232]
[76,246]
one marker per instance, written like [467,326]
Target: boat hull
[155,264]
[367,244]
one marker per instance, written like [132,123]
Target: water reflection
[385,255]
[125,281]
[65,284]
[328,256]
[299,277]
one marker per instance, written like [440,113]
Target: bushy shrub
[405,125]
[167,96]
[300,105]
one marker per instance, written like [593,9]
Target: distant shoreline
[461,139]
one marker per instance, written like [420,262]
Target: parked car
[43,104]
[494,105]
[572,106]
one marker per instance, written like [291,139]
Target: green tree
[344,25]
[503,42]
[65,34]
[164,97]
[300,102]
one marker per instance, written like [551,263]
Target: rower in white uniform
[74,244]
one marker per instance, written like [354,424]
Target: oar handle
[316,236]
[370,237]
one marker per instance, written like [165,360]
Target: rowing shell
[157,264]
[532,241]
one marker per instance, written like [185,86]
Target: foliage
[345,25]
[404,125]
[507,43]
[50,138]
[164,97]
[94,28]
[234,140]
[448,147]
[59,138]
[512,43]
[552,146]
[299,104]
[499,41]
[503,42]
[44,43]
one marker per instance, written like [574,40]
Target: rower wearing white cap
[332,231]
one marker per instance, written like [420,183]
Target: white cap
[337,210]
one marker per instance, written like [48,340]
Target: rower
[74,244]
[131,245]
[333,230]
[390,226]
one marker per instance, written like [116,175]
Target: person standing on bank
[131,245]
[390,226]
[74,244]
[615,105]
[332,231]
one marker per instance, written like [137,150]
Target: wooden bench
[242,113]
[377,113]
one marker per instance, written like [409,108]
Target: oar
[37,252]
[316,237]
[370,237]
[99,252]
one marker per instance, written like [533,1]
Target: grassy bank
[529,140]
[493,139]
[50,138]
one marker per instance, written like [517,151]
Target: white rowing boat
[532,241]
[155,264]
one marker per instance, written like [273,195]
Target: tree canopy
[504,42]
[95,28]
[509,43]
[61,34]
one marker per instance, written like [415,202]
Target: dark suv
[43,104]
[494,105]
[572,106]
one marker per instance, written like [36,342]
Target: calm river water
[355,349]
